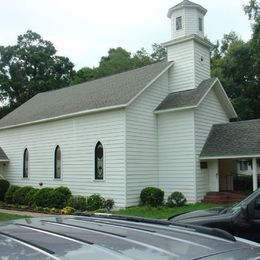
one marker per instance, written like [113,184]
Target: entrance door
[226,170]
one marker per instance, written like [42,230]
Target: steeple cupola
[188,48]
[187,18]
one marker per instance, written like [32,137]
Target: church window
[200,24]
[179,23]
[99,162]
[57,163]
[25,163]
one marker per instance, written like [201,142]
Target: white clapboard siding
[77,138]
[177,33]
[202,63]
[208,113]
[182,73]
[141,140]
[176,153]
[192,16]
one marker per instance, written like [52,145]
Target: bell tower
[188,48]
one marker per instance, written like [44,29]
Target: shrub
[4,185]
[65,191]
[67,210]
[59,197]
[78,202]
[109,204]
[152,196]
[43,198]
[19,196]
[176,199]
[10,193]
[95,202]
[30,197]
[52,198]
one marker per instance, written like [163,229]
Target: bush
[78,202]
[152,196]
[109,204]
[19,196]
[43,198]
[9,195]
[95,202]
[176,199]
[30,197]
[59,197]
[4,185]
[67,210]
[52,198]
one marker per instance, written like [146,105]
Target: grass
[163,212]
[5,216]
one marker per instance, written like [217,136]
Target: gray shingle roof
[187,98]
[233,139]
[186,3]
[3,155]
[106,92]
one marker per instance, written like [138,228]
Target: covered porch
[3,161]
[232,152]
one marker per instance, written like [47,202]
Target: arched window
[25,163]
[99,162]
[57,163]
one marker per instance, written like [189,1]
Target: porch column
[254,174]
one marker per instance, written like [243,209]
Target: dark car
[242,219]
[117,237]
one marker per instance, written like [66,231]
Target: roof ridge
[239,122]
[104,77]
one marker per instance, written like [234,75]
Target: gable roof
[231,140]
[108,92]
[193,97]
[3,156]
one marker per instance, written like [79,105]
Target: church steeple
[188,47]
[187,18]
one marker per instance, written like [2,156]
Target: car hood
[79,237]
[197,214]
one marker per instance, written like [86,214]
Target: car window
[236,207]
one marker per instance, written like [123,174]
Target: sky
[84,30]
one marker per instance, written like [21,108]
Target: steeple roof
[186,3]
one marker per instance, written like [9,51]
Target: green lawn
[162,213]
[4,216]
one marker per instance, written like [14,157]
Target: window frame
[96,178]
[56,175]
[179,25]
[200,24]
[26,163]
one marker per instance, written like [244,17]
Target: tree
[119,60]
[30,67]
[116,61]
[237,64]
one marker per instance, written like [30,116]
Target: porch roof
[233,140]
[3,156]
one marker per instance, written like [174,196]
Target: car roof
[106,237]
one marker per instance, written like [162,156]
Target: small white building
[119,134]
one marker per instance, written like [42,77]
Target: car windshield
[236,207]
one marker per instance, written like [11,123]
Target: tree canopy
[237,64]
[119,60]
[29,67]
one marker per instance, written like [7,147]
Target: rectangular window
[179,23]
[245,165]
[203,165]
[200,24]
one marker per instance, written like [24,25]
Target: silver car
[112,237]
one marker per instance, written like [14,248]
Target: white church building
[152,126]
